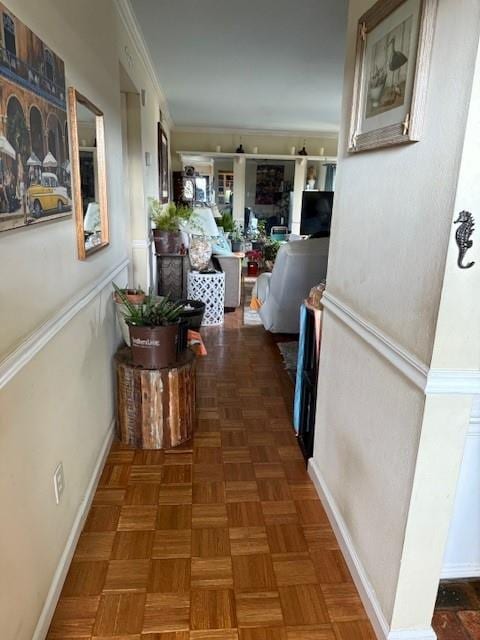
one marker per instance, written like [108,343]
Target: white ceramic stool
[210,289]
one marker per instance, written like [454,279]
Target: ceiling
[248,64]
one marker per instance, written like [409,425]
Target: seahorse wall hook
[462,236]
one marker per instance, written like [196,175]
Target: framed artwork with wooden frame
[394,45]
[89,181]
[163,176]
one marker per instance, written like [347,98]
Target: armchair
[299,266]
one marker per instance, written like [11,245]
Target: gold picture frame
[394,45]
[84,251]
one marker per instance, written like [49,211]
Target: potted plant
[238,242]
[153,328]
[227,223]
[259,241]
[134,296]
[168,220]
[270,251]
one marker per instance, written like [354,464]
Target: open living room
[239,355]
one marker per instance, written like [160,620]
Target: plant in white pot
[168,220]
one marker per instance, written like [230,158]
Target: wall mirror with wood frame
[89,185]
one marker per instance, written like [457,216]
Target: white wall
[57,404]
[271,143]
[462,554]
[390,233]
[141,132]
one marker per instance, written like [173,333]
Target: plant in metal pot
[153,328]
[168,220]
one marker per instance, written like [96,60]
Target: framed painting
[34,160]
[394,44]
[163,172]
[269,183]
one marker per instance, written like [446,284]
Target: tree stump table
[156,407]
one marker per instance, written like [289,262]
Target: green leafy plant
[152,313]
[261,230]
[227,223]
[270,250]
[237,234]
[169,217]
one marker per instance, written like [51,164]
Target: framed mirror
[89,185]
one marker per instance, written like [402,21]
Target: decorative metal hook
[463,235]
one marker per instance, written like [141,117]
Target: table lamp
[202,228]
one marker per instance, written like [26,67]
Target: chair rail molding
[401,359]
[22,355]
[428,380]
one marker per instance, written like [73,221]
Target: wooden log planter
[156,407]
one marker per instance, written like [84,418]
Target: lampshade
[202,223]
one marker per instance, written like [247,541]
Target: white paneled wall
[462,555]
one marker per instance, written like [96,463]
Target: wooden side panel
[156,408]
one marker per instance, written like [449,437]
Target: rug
[250,316]
[289,352]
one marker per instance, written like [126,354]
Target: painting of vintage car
[34,159]
[47,197]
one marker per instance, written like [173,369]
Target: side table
[155,407]
[172,272]
[210,289]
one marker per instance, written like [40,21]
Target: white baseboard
[359,575]
[60,574]
[463,570]
[413,634]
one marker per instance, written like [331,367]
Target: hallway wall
[392,223]
[58,332]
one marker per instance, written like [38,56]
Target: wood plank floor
[223,540]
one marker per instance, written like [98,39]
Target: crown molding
[134,30]
[326,135]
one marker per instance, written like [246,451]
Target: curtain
[330,177]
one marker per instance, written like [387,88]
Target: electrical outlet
[58,482]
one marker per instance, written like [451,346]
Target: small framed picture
[163,171]
[394,45]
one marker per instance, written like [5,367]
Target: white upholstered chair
[299,266]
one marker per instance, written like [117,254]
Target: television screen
[316,213]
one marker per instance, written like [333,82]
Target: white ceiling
[248,64]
